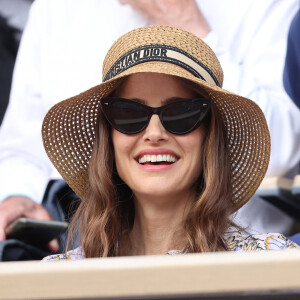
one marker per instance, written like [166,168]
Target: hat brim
[69,130]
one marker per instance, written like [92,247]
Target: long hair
[210,216]
[106,216]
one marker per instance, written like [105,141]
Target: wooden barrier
[224,275]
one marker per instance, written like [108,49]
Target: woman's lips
[156,168]
[156,159]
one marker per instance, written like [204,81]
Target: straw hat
[69,127]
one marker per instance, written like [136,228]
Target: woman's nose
[155,132]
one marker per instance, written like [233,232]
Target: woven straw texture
[69,127]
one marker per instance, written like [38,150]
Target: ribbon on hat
[163,53]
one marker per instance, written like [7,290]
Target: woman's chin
[158,191]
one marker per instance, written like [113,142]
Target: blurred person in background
[60,55]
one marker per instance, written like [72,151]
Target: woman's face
[182,154]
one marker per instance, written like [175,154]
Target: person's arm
[24,166]
[183,14]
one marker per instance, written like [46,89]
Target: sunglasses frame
[105,103]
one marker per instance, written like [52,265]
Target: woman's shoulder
[70,255]
[243,241]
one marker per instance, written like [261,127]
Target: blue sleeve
[291,74]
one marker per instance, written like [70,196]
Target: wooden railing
[224,275]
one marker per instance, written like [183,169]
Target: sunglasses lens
[183,117]
[127,117]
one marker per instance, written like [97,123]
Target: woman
[160,155]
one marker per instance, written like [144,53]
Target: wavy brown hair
[106,216]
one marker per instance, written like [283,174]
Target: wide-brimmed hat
[69,126]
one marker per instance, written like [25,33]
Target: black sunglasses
[131,117]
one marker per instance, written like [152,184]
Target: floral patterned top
[235,241]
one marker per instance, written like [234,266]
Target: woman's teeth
[157,158]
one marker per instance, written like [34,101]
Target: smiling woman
[160,155]
[136,154]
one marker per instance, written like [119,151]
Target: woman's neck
[158,226]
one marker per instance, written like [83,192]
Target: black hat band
[162,53]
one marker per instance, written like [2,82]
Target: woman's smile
[157,159]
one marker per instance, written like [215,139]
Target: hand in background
[16,207]
[184,14]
